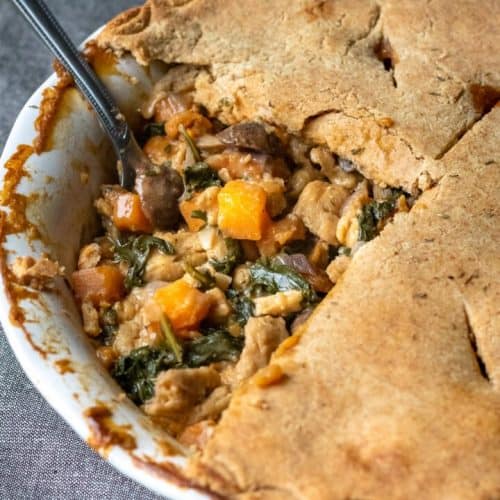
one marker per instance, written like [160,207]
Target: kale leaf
[242,306]
[273,277]
[233,257]
[136,373]
[109,325]
[375,212]
[200,176]
[215,345]
[153,129]
[370,217]
[135,252]
[170,338]
[190,144]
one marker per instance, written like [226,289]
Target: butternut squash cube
[128,214]
[242,210]
[183,304]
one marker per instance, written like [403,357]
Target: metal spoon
[158,188]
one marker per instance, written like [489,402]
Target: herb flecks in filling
[269,225]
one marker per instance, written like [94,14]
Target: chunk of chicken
[324,158]
[132,303]
[275,191]
[318,256]
[177,392]
[319,206]
[220,308]
[170,105]
[278,304]
[301,178]
[347,227]
[185,242]
[138,318]
[213,243]
[90,255]
[161,267]
[133,334]
[262,336]
[299,151]
[36,273]
[329,168]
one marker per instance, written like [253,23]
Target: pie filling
[267,224]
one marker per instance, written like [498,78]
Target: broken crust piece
[392,389]
[391,95]
[38,274]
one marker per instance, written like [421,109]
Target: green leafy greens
[153,129]
[375,212]
[216,345]
[269,277]
[136,372]
[233,257]
[135,252]
[370,217]
[200,176]
[273,277]
[242,306]
[190,144]
[108,320]
[170,339]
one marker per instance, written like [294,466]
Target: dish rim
[23,132]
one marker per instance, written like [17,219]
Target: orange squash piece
[101,284]
[195,123]
[184,305]
[186,208]
[128,214]
[157,149]
[242,210]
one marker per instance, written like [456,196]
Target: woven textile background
[40,456]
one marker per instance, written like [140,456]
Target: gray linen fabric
[40,456]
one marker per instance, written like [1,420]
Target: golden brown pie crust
[385,394]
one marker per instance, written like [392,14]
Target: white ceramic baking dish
[50,344]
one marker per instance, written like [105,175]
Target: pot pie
[322,321]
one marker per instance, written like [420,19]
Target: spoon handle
[52,34]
